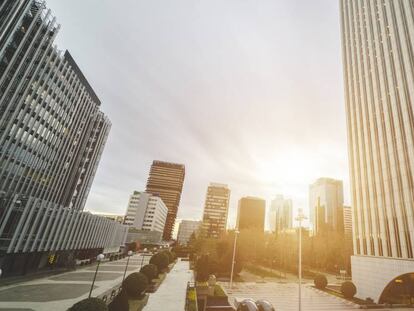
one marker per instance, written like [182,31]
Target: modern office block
[186,229]
[280,214]
[146,212]
[347,220]
[251,214]
[166,180]
[326,200]
[216,208]
[52,135]
[377,40]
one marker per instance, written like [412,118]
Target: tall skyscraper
[166,180]
[146,212]
[348,221]
[378,59]
[52,135]
[326,200]
[216,208]
[251,213]
[280,214]
[186,229]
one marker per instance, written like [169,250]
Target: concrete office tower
[326,200]
[280,214]
[348,220]
[166,180]
[378,54]
[186,229]
[146,212]
[251,213]
[52,134]
[216,208]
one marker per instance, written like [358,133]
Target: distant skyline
[249,94]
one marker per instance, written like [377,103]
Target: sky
[246,93]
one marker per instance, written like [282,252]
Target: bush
[161,260]
[348,289]
[150,271]
[170,256]
[320,281]
[120,303]
[89,304]
[135,285]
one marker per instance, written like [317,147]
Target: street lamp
[99,258]
[236,232]
[126,267]
[300,218]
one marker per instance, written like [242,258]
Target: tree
[320,281]
[135,285]
[348,289]
[161,260]
[150,271]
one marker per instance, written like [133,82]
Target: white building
[146,212]
[280,215]
[326,200]
[186,229]
[378,45]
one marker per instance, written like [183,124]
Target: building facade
[280,214]
[216,208]
[326,200]
[378,45]
[251,214]
[166,180]
[146,212]
[52,135]
[186,229]
[348,220]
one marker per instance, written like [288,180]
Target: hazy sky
[242,92]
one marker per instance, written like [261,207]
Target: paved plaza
[59,292]
[284,296]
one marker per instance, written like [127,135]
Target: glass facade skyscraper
[378,57]
[52,135]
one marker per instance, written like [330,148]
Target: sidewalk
[171,294]
[59,292]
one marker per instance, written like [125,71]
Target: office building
[251,214]
[216,208]
[326,200]
[146,212]
[378,54]
[347,220]
[166,180]
[186,229]
[280,214]
[52,135]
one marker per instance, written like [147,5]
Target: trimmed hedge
[161,260]
[150,271]
[320,281]
[348,289]
[135,285]
[89,304]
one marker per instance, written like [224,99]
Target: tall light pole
[300,218]
[126,267]
[99,258]
[236,233]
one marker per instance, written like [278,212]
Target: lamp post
[126,267]
[99,258]
[300,218]
[236,232]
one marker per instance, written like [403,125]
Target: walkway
[59,292]
[171,294]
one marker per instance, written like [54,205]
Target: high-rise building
[326,200]
[216,208]
[347,220]
[280,214]
[378,59]
[146,212]
[186,229]
[52,135]
[166,180]
[251,213]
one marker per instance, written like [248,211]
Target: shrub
[348,289]
[89,304]
[120,303]
[150,271]
[135,285]
[169,255]
[161,260]
[320,281]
